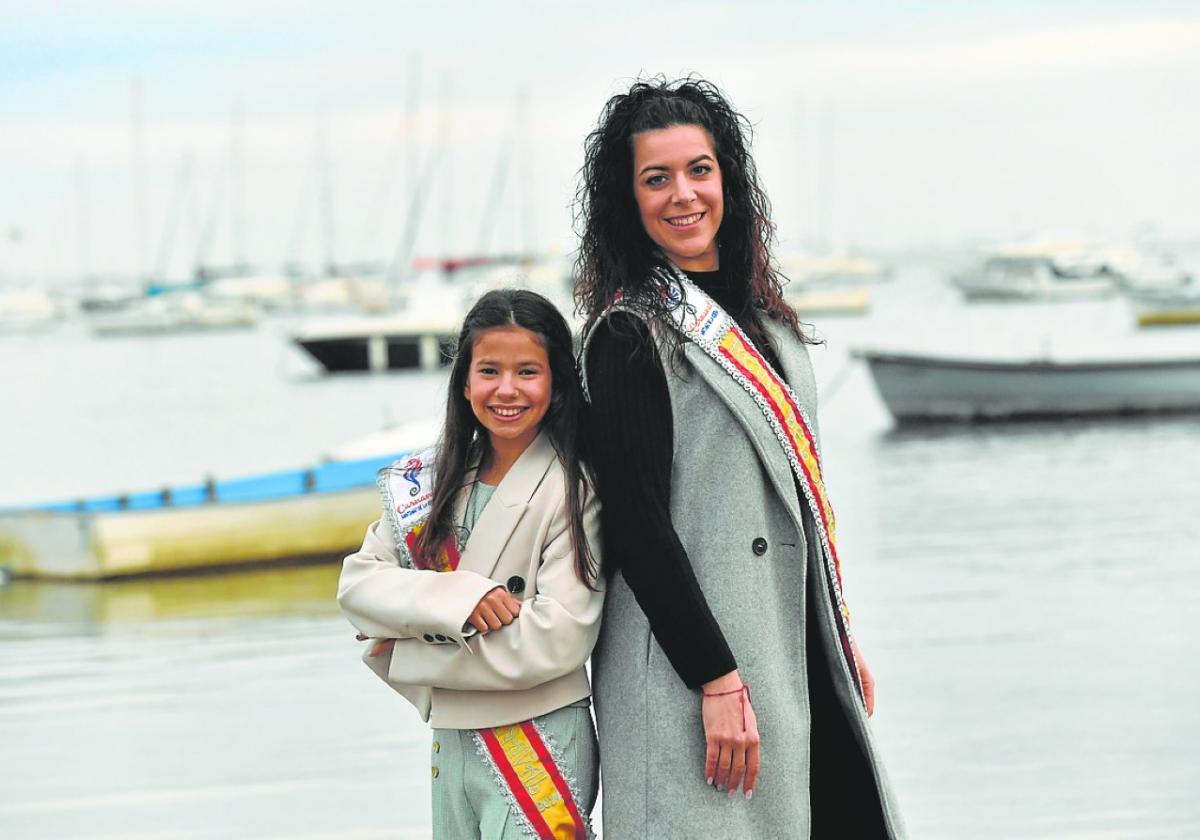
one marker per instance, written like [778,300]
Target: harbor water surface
[1024,592]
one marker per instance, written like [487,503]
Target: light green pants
[509,782]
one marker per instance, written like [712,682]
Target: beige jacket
[460,679]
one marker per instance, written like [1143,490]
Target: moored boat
[172,313]
[926,387]
[381,342]
[292,515]
[1031,275]
[1167,307]
[826,302]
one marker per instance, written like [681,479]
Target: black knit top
[631,441]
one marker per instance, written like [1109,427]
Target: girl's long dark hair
[465,441]
[615,252]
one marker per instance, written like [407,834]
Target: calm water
[1024,593]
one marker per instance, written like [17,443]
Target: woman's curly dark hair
[615,252]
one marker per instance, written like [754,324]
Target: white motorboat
[28,311]
[176,312]
[836,269]
[421,331]
[927,387]
[1029,275]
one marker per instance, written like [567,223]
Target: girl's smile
[509,386]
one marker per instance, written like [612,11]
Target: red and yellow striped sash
[544,798]
[798,439]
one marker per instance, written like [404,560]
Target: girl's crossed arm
[384,600]
[552,636]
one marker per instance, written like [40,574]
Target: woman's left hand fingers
[724,765]
[753,763]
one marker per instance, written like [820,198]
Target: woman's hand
[864,676]
[494,610]
[731,735]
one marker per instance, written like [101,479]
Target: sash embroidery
[407,491]
[700,320]
[526,768]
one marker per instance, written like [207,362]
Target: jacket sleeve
[631,434]
[385,600]
[552,636]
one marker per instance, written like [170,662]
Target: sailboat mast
[325,166]
[825,179]
[412,149]
[447,179]
[237,177]
[138,153]
[803,227]
[528,220]
[83,222]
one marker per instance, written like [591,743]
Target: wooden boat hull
[830,302]
[99,545]
[1169,317]
[929,388]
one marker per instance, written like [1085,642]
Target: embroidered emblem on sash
[407,490]
[539,795]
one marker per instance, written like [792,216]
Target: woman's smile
[678,188]
[686,221]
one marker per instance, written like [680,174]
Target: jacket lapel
[758,430]
[506,508]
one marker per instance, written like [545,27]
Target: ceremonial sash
[541,797]
[407,490]
[698,318]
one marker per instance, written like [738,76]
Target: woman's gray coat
[730,485]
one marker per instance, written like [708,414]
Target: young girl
[477,589]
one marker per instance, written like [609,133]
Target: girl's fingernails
[750,793]
[708,781]
[721,788]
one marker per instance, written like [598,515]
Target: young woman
[725,668]
[477,589]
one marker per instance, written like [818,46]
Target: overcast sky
[946,123]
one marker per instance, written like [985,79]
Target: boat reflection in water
[42,608]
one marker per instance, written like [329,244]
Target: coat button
[759,546]
[516,584]
[434,771]
[427,637]
[437,747]
[440,637]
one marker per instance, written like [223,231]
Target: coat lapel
[759,431]
[506,508]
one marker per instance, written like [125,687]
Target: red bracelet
[744,691]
